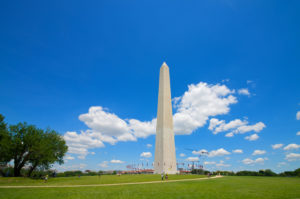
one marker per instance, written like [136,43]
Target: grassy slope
[222,188]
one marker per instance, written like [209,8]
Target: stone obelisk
[165,158]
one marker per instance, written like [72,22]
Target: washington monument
[165,158]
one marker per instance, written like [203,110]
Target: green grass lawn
[221,188]
[104,179]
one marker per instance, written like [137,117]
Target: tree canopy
[28,145]
[5,143]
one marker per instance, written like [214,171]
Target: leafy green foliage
[5,143]
[28,145]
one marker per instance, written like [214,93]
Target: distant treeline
[9,172]
[267,172]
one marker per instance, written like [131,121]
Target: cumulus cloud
[80,143]
[237,151]
[116,161]
[252,137]
[292,157]
[244,91]
[103,164]
[229,135]
[192,159]
[192,110]
[200,152]
[277,146]
[219,152]
[213,153]
[298,133]
[68,157]
[199,103]
[249,161]
[236,126]
[70,167]
[182,155]
[258,152]
[298,115]
[280,164]
[209,163]
[222,164]
[149,145]
[146,154]
[291,147]
[218,126]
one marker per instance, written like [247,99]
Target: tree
[35,147]
[269,172]
[5,143]
[51,149]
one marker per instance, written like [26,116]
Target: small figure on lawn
[162,176]
[167,177]
[46,178]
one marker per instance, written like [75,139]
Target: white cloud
[82,157]
[200,152]
[213,153]
[237,151]
[236,126]
[142,129]
[225,80]
[244,91]
[229,135]
[220,126]
[219,152]
[292,157]
[252,137]
[149,145]
[192,159]
[209,163]
[260,160]
[277,146]
[291,147]
[80,143]
[93,153]
[223,165]
[280,164]
[108,127]
[259,152]
[70,167]
[250,161]
[298,115]
[182,155]
[298,133]
[116,161]
[255,127]
[68,157]
[103,164]
[146,155]
[192,110]
[213,123]
[199,103]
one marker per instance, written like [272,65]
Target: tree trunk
[18,166]
[17,171]
[32,169]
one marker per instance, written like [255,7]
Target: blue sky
[90,71]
